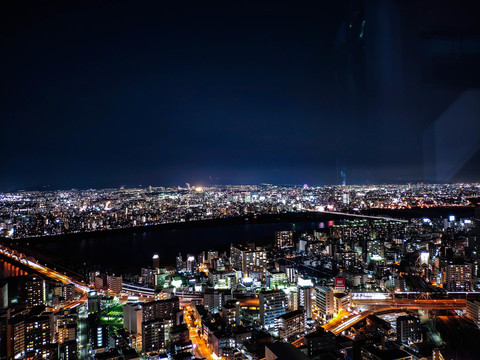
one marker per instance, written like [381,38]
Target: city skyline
[225,180]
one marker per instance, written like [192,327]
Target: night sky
[104,93]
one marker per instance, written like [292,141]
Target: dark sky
[104,93]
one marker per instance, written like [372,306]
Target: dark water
[122,252]
[127,252]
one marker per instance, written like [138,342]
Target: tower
[156,261]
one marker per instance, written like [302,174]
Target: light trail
[80,287]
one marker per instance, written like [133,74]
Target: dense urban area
[40,213]
[367,287]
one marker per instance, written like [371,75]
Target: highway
[345,320]
[418,304]
[52,274]
[356,215]
[338,320]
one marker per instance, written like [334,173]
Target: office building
[69,292]
[191,263]
[66,330]
[319,342]
[179,262]
[341,301]
[93,302]
[15,337]
[324,300]
[99,340]
[231,313]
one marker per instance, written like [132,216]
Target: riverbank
[261,219]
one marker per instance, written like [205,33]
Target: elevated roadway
[338,213]
[415,304]
[44,270]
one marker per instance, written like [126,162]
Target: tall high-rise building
[157,319]
[132,318]
[114,284]
[39,336]
[190,263]
[93,302]
[66,330]
[324,300]
[305,299]
[35,288]
[248,258]
[156,334]
[69,292]
[15,337]
[408,329]
[179,262]
[99,338]
[156,261]
[291,324]
[284,239]
[459,277]
[160,309]
[272,305]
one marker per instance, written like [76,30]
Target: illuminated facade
[248,258]
[459,277]
[272,305]
[291,324]
[324,300]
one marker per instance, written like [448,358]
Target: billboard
[339,284]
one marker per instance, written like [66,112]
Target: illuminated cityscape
[29,213]
[364,285]
[248,180]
